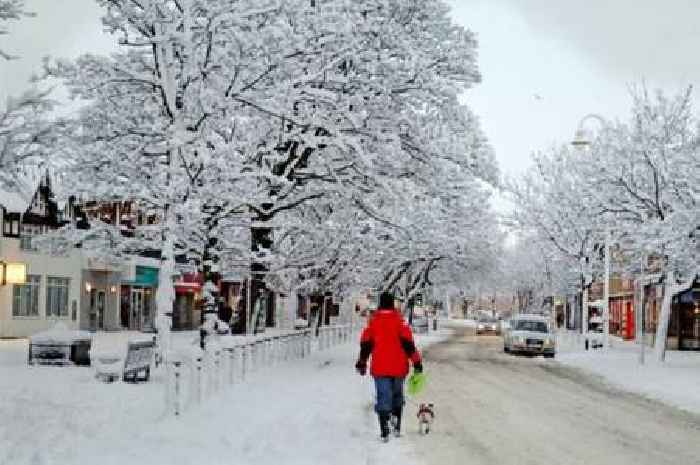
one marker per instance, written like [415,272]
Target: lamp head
[581,138]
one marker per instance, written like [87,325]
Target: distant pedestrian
[389,341]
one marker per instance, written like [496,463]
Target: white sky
[578,56]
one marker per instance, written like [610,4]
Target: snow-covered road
[498,409]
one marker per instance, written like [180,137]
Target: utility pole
[606,294]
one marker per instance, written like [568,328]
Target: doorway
[137,307]
[97,309]
[182,316]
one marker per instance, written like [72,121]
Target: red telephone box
[629,316]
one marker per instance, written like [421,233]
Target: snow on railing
[574,341]
[569,341]
[193,375]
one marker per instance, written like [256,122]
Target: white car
[530,334]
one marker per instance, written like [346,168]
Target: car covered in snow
[594,336]
[530,334]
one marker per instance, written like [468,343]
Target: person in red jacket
[389,341]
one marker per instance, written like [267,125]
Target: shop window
[57,297]
[25,297]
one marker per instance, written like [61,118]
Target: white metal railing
[569,341]
[194,375]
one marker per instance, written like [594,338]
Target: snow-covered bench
[60,346]
[131,364]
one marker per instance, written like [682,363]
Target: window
[57,297]
[27,232]
[25,297]
[25,243]
[533,326]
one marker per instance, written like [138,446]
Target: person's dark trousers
[389,401]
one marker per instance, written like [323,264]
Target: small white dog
[426,417]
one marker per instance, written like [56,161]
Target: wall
[44,265]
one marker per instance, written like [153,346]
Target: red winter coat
[389,340]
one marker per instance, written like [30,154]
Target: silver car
[530,334]
[487,325]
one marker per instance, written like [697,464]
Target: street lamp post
[582,138]
[606,294]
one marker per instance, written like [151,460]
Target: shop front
[686,311]
[622,319]
[100,299]
[138,300]
[186,314]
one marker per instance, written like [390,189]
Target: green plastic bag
[416,384]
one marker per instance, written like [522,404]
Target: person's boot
[396,421]
[384,426]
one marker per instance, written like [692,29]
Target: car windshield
[529,325]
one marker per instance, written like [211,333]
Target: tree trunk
[210,314]
[584,311]
[664,319]
[292,309]
[165,295]
[670,289]
[261,243]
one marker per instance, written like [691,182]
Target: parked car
[487,325]
[530,334]
[420,324]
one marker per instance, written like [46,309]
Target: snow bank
[459,323]
[675,382]
[115,344]
[13,352]
[433,337]
[311,411]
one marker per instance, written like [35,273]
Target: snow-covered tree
[309,116]
[11,10]
[25,131]
[531,270]
[645,177]
[553,201]
[26,135]
[636,183]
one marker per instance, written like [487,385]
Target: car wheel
[548,355]
[505,349]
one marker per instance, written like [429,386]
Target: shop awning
[146,276]
[187,288]
[189,283]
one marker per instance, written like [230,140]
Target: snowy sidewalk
[311,411]
[674,382]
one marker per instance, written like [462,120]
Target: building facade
[51,291]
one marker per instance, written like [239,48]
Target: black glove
[418,367]
[361,367]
